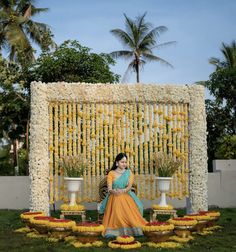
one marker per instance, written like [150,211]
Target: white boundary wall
[15,191]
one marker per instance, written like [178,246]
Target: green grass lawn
[221,241]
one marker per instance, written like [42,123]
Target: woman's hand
[116,191]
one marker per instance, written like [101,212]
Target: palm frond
[164,44]
[124,54]
[124,37]
[151,57]
[150,38]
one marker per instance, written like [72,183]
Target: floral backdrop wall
[101,120]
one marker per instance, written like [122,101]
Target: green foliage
[226,148]
[74,166]
[6,162]
[18,30]
[165,165]
[221,112]
[72,62]
[23,161]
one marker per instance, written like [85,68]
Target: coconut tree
[229,53]
[139,39]
[18,31]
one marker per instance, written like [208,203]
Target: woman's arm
[130,183]
[109,183]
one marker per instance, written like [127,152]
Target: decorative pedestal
[158,236]
[163,187]
[81,213]
[183,231]
[154,213]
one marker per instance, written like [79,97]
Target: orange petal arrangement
[124,242]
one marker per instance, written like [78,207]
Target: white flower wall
[42,94]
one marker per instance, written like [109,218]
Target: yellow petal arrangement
[125,239]
[124,242]
[40,220]
[172,245]
[88,244]
[211,213]
[29,215]
[158,226]
[183,221]
[158,207]
[83,227]
[60,223]
[198,217]
[181,239]
[110,128]
[67,207]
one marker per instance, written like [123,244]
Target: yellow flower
[84,228]
[164,245]
[183,221]
[180,239]
[154,228]
[115,244]
[60,223]
[157,207]
[128,239]
[198,216]
[29,215]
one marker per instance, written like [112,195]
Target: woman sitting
[121,207]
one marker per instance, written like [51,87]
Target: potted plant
[165,167]
[74,168]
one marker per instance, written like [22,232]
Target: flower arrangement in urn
[165,166]
[74,168]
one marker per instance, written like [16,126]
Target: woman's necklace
[119,170]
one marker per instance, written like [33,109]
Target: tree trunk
[137,72]
[15,154]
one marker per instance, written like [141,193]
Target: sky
[198,27]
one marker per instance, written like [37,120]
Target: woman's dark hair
[118,158]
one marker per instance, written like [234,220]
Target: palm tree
[18,31]
[229,53]
[140,39]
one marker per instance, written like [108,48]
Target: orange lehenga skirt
[122,213]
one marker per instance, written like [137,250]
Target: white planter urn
[73,186]
[163,187]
